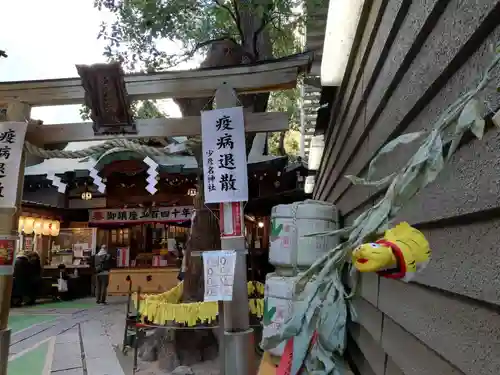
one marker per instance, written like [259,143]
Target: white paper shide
[219,274]
[12,136]
[224,155]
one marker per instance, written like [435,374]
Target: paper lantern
[38,226]
[28,225]
[20,224]
[54,228]
[47,224]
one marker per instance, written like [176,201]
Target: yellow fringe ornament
[165,307]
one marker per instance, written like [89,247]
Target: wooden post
[8,226]
[237,332]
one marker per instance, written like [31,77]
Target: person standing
[21,286]
[102,266]
[35,276]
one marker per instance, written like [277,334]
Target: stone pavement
[71,340]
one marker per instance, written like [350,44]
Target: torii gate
[17,99]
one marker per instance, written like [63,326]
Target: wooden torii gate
[17,99]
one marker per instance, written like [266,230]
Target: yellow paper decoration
[165,307]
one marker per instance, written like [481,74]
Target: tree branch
[234,15]
[266,19]
[238,21]
[281,144]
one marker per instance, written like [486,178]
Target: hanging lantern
[28,225]
[38,226]
[20,224]
[87,195]
[54,228]
[46,227]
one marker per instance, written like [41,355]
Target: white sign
[141,215]
[219,274]
[224,155]
[12,136]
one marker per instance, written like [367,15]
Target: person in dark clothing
[21,287]
[35,276]
[103,263]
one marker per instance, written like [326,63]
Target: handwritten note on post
[219,274]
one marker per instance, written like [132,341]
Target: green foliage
[286,101]
[140,110]
[133,38]
[141,27]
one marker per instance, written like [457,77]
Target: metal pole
[237,332]
[8,225]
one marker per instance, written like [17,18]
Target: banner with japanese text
[224,155]
[12,136]
[140,215]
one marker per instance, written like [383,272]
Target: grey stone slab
[68,338]
[75,371]
[66,356]
[65,363]
[104,366]
[58,329]
[102,350]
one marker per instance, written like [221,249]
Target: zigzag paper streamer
[56,182]
[152,174]
[101,187]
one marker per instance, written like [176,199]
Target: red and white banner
[140,215]
[123,256]
[231,219]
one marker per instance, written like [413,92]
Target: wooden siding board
[460,330]
[357,114]
[391,368]
[465,260]
[370,348]
[384,38]
[469,185]
[357,358]
[439,55]
[412,34]
[397,43]
[371,34]
[369,317]
[411,355]
[462,81]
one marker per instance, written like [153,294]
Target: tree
[285,143]
[228,32]
[262,28]
[141,110]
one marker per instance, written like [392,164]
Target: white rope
[99,149]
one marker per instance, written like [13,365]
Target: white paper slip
[218,269]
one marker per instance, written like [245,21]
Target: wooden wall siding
[410,61]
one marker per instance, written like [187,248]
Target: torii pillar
[8,226]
